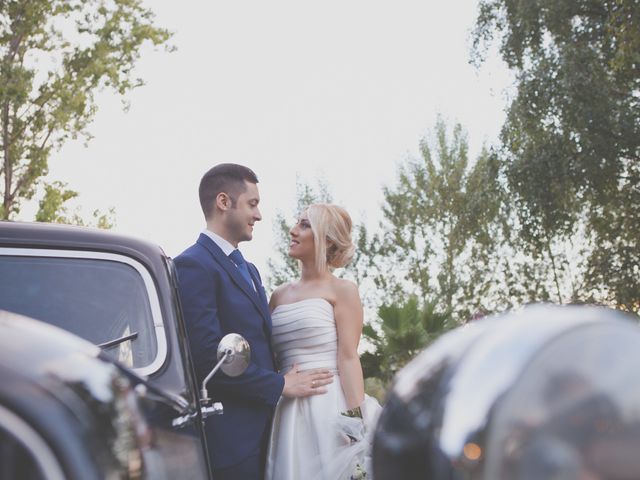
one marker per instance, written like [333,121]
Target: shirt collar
[224,245]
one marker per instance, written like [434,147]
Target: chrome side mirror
[234,352]
[233,355]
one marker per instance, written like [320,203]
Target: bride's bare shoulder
[278,294]
[345,290]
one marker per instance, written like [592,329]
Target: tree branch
[6,165]
[46,139]
[553,266]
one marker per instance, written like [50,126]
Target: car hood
[41,352]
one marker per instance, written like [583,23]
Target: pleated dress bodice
[304,332]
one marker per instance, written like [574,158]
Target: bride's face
[302,244]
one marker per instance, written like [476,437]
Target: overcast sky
[344,90]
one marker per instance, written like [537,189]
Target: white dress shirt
[224,245]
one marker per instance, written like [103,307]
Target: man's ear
[223,201]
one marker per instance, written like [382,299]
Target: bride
[317,323]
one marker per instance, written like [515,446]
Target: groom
[221,293]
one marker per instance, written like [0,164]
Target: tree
[440,230]
[571,141]
[54,56]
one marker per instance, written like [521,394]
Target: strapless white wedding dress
[310,440]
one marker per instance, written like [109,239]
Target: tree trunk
[555,273]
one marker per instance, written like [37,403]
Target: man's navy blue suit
[216,300]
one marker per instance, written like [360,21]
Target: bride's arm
[349,318]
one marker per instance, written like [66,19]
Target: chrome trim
[154,301]
[41,454]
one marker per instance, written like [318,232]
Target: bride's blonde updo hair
[332,224]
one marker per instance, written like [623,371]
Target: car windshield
[98,300]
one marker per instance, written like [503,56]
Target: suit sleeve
[197,287]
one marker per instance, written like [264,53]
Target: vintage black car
[547,392]
[123,402]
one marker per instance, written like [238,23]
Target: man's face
[242,216]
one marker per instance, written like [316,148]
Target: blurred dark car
[544,393]
[126,406]
[64,411]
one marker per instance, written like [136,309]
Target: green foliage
[53,209]
[436,259]
[624,28]
[376,388]
[404,329]
[52,206]
[54,56]
[571,153]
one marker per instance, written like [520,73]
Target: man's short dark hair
[225,177]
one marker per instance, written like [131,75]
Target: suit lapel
[227,264]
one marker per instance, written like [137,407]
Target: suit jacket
[217,300]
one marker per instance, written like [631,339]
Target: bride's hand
[308,382]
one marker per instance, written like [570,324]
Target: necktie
[241,263]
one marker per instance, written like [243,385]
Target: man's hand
[306,383]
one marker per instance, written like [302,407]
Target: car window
[98,300]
